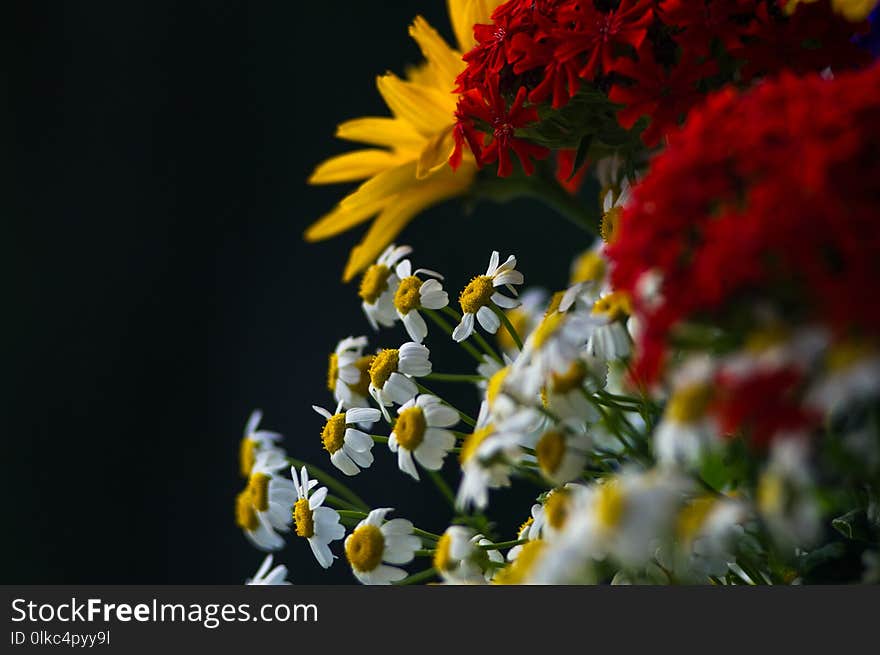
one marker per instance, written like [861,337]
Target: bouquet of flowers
[701,403]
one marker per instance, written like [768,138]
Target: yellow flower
[407,172]
[853,10]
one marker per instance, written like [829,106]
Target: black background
[160,288]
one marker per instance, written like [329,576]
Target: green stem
[350,514]
[434,316]
[464,417]
[509,327]
[426,535]
[421,576]
[378,438]
[454,377]
[331,483]
[340,503]
[443,487]
[504,544]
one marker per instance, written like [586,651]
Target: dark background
[160,288]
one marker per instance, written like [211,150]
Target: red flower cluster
[770,195]
[656,58]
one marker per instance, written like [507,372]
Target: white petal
[488,320]
[323,412]
[343,462]
[465,328]
[362,415]
[317,498]
[253,421]
[508,277]
[493,263]
[405,463]
[403,269]
[363,459]
[357,440]
[504,301]
[440,416]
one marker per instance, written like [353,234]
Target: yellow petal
[435,153]
[428,110]
[383,186]
[464,14]
[397,214]
[381,131]
[341,219]
[352,166]
[444,60]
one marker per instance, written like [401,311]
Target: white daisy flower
[419,432]
[613,202]
[562,451]
[255,441]
[589,273]
[319,525]
[263,508]
[566,393]
[487,455]
[265,576]
[377,287]
[521,569]
[686,431]
[476,297]
[391,374]
[459,558]
[412,294]
[376,543]
[611,340]
[349,448]
[524,319]
[706,530]
[347,372]
[852,375]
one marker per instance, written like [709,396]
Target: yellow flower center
[689,403]
[555,301]
[473,441]
[364,548]
[556,509]
[520,534]
[610,224]
[520,321]
[516,571]
[550,450]
[693,516]
[547,328]
[363,384]
[410,428]
[442,559]
[333,434]
[496,384]
[572,379]
[764,339]
[590,267]
[259,490]
[476,294]
[615,306]
[302,518]
[407,297]
[245,515]
[384,364]
[247,455]
[374,283]
[845,354]
[332,372]
[610,504]
[771,494]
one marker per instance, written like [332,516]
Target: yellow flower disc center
[302,517]
[610,505]
[845,354]
[590,267]
[407,297]
[572,379]
[550,450]
[247,455]
[363,384]
[689,403]
[374,283]
[333,434]
[476,294]
[384,364]
[693,516]
[516,572]
[547,328]
[520,534]
[473,441]
[410,428]
[332,371]
[259,489]
[496,384]
[364,548]
[610,224]
[615,306]
[245,515]
[442,558]
[556,509]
